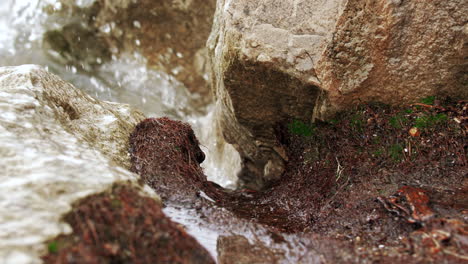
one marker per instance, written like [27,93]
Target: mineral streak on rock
[121,226]
[331,55]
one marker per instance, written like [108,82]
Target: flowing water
[125,79]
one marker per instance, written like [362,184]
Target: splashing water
[125,79]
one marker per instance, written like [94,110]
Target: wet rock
[121,226]
[238,250]
[79,45]
[442,240]
[167,155]
[283,60]
[171,35]
[263,55]
[324,209]
[57,145]
[409,202]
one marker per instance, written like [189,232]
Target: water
[45,167]
[125,79]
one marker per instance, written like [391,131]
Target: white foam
[44,170]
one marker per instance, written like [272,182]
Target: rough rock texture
[276,60]
[167,155]
[57,145]
[262,57]
[171,35]
[121,226]
[103,125]
[396,52]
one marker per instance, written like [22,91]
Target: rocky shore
[375,183]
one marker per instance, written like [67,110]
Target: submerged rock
[57,145]
[237,249]
[78,44]
[276,61]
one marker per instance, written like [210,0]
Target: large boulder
[395,52]
[276,61]
[57,145]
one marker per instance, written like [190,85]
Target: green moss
[116,203]
[398,121]
[299,128]
[53,247]
[378,153]
[396,152]
[428,121]
[428,100]
[334,121]
[376,140]
[357,121]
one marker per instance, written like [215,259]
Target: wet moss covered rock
[122,226]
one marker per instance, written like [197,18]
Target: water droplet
[137,24]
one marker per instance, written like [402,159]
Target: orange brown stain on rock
[418,201]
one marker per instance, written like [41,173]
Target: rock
[278,61]
[121,226]
[396,52]
[171,35]
[79,45]
[263,54]
[410,203]
[237,250]
[57,145]
[167,155]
